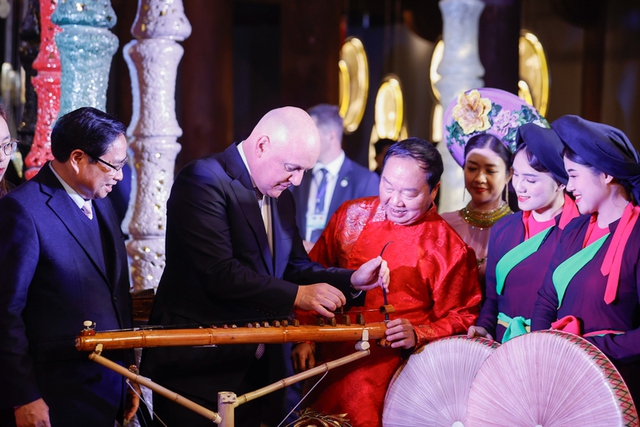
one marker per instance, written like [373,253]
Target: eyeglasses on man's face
[114,168]
[10,147]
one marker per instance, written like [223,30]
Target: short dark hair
[485,140]
[327,115]
[87,129]
[421,151]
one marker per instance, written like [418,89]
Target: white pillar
[153,58]
[460,70]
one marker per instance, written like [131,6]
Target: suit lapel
[340,191]
[301,208]
[110,223]
[64,208]
[246,199]
[281,242]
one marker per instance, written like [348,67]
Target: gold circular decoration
[344,82]
[436,122]
[389,108]
[534,72]
[354,83]
[436,58]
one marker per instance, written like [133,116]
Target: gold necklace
[481,220]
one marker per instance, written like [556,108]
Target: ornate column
[86,49]
[47,86]
[460,70]
[153,59]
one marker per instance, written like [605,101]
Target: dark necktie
[322,190]
[319,209]
[261,348]
[259,194]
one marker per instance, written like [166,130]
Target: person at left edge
[8,146]
[522,242]
[62,266]
[234,255]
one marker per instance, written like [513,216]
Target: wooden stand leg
[201,410]
[226,407]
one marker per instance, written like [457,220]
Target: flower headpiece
[486,110]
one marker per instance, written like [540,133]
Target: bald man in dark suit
[234,254]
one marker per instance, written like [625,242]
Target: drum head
[432,386]
[550,379]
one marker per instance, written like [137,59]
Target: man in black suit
[64,262]
[234,255]
[333,180]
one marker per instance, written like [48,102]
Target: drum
[432,386]
[549,379]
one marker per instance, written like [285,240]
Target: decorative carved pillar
[47,86]
[460,70]
[86,49]
[28,50]
[153,59]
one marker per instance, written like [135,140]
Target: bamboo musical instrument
[257,333]
[254,333]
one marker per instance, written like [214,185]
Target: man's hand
[478,331]
[303,357]
[371,274]
[34,414]
[133,401]
[400,333]
[320,297]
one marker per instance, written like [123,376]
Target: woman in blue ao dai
[522,244]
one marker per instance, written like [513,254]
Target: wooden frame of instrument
[389,108]
[96,342]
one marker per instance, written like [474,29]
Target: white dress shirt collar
[333,167]
[77,198]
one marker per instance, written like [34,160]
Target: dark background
[245,57]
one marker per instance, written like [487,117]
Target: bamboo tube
[301,376]
[89,339]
